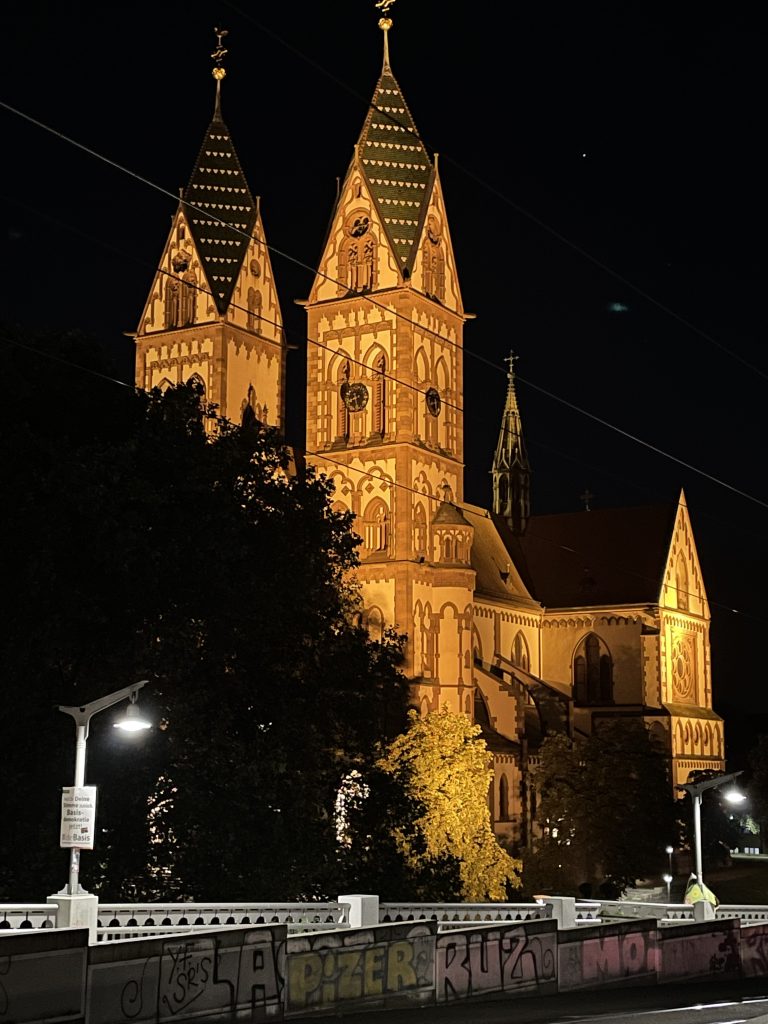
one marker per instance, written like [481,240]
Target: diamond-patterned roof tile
[222,211]
[396,165]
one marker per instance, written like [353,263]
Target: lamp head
[734,796]
[667,878]
[133,720]
[669,849]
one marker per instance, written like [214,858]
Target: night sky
[604,175]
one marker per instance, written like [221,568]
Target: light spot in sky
[617,307]
[583,154]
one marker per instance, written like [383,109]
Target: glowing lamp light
[133,721]
[735,796]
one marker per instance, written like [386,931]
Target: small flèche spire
[385,24]
[219,72]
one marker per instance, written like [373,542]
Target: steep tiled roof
[597,558]
[222,211]
[396,165]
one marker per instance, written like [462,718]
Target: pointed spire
[394,160]
[220,210]
[511,470]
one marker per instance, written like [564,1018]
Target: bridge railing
[459,915]
[27,915]
[133,920]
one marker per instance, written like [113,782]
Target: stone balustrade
[27,915]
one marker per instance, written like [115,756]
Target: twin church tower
[502,623]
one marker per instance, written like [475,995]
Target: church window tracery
[379,395]
[188,295]
[592,672]
[342,424]
[419,531]
[254,309]
[358,266]
[681,583]
[376,527]
[433,260]
[172,301]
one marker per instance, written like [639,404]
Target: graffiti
[754,950]
[698,950]
[238,970]
[618,956]
[516,959]
[376,964]
[184,975]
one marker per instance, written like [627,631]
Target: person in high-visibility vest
[696,891]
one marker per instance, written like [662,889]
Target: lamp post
[669,850]
[132,722]
[668,879]
[696,790]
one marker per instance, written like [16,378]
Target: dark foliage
[145,539]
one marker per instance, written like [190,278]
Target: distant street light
[669,850]
[668,879]
[131,722]
[696,789]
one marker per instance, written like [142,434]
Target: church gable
[255,305]
[434,267]
[358,256]
[180,296]
[683,585]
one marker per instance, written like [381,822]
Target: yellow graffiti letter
[400,972]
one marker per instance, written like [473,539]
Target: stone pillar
[563,909]
[703,911]
[80,911]
[363,910]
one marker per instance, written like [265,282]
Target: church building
[526,623]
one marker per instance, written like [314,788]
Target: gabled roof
[449,514]
[601,557]
[221,211]
[396,166]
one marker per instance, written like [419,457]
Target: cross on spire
[219,72]
[586,497]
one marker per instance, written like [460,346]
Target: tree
[154,548]
[606,810]
[440,770]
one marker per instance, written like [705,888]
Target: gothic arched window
[592,672]
[379,395]
[172,301]
[342,425]
[419,531]
[376,527]
[681,583]
[187,297]
[357,255]
[254,309]
[503,798]
[520,656]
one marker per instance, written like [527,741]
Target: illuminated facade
[526,623]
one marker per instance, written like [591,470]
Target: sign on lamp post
[78,817]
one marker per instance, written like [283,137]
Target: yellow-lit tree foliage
[443,766]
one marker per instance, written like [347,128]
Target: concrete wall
[707,949]
[614,954]
[509,960]
[42,975]
[205,975]
[257,972]
[390,965]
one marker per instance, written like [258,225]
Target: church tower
[511,471]
[385,390]
[213,314]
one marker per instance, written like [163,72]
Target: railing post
[703,911]
[563,909]
[80,911]
[363,910]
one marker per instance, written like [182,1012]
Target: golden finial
[219,54]
[385,24]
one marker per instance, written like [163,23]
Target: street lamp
[696,789]
[131,722]
[668,879]
[669,850]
